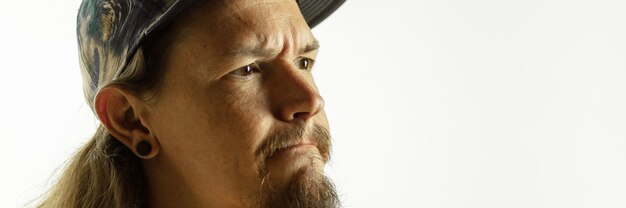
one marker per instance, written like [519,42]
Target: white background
[432,103]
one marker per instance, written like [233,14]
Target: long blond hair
[104,172]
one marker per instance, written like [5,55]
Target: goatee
[310,189]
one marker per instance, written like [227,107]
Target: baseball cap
[111,31]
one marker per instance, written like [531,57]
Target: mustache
[292,135]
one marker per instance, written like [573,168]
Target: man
[202,104]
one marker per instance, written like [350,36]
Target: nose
[295,96]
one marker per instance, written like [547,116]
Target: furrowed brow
[311,47]
[255,51]
[258,51]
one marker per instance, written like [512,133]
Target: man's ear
[119,111]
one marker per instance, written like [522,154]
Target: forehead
[255,11]
[248,22]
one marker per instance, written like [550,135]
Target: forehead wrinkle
[269,33]
[265,46]
[240,13]
[260,48]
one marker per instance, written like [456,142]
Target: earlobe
[146,150]
[118,109]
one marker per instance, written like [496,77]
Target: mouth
[294,150]
[295,147]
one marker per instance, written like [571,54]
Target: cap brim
[315,11]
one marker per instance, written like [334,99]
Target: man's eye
[246,70]
[305,63]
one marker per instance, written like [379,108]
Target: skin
[211,115]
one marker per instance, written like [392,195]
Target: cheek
[242,117]
[214,130]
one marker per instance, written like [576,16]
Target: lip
[295,149]
[297,146]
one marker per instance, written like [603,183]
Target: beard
[310,190]
[308,187]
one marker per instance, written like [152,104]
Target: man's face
[237,90]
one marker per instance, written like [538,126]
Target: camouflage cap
[110,32]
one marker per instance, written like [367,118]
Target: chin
[287,166]
[308,187]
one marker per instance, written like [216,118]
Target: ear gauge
[144,150]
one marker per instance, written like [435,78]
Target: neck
[167,187]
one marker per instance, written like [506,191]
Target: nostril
[300,114]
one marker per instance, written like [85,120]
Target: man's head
[220,105]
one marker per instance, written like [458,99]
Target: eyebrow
[258,50]
[311,47]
